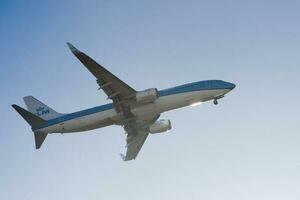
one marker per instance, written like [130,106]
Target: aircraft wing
[135,140]
[137,133]
[114,88]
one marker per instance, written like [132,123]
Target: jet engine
[160,126]
[147,96]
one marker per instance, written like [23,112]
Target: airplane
[137,112]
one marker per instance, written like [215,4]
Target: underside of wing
[114,88]
[137,133]
[135,141]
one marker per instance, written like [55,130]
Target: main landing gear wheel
[215,101]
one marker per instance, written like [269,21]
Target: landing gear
[215,101]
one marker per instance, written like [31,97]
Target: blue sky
[247,147]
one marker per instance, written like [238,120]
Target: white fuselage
[110,116]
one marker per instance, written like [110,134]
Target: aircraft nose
[229,85]
[232,86]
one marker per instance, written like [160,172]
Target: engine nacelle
[147,96]
[160,126]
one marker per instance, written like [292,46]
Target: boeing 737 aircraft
[136,111]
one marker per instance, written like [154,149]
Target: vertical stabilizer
[40,109]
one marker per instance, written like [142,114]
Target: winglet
[72,48]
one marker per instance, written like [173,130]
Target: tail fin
[34,121]
[38,108]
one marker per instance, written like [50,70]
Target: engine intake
[147,96]
[160,126]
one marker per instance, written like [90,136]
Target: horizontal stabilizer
[39,139]
[31,119]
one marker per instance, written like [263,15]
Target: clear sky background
[247,147]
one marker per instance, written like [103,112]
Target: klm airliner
[137,112]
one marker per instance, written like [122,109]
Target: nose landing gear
[216,101]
